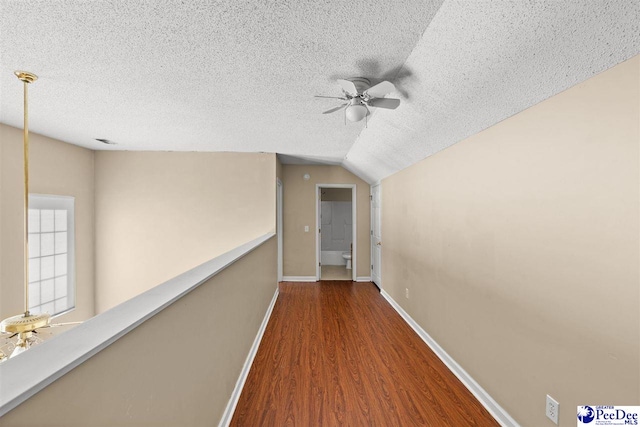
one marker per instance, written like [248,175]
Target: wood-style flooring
[337,354]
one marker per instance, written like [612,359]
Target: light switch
[306,228]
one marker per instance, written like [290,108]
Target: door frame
[372,240]
[279,225]
[354,227]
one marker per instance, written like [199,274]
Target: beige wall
[520,248]
[55,168]
[299,210]
[160,214]
[278,169]
[176,369]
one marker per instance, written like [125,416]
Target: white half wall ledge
[27,374]
[496,411]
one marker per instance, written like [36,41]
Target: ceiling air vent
[105,141]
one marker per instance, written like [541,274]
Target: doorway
[336,232]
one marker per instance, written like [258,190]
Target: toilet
[347,256]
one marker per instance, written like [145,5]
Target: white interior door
[376,235]
[318,232]
[279,226]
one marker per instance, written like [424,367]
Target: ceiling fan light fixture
[360,96]
[356,112]
[24,324]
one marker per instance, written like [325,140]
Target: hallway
[336,353]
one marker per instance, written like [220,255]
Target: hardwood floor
[337,354]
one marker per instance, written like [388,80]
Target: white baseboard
[483,397]
[363,279]
[235,395]
[299,279]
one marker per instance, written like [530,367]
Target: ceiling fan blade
[331,97]
[335,109]
[380,90]
[54,325]
[389,103]
[348,86]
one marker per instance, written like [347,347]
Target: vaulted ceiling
[233,75]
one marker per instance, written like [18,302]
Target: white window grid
[51,254]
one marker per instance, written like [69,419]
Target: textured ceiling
[480,62]
[234,75]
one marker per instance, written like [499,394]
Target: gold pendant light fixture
[25,324]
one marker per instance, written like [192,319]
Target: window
[51,254]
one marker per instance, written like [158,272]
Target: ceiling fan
[359,96]
[24,326]
[13,344]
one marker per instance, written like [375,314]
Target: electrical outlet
[553,409]
[406,293]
